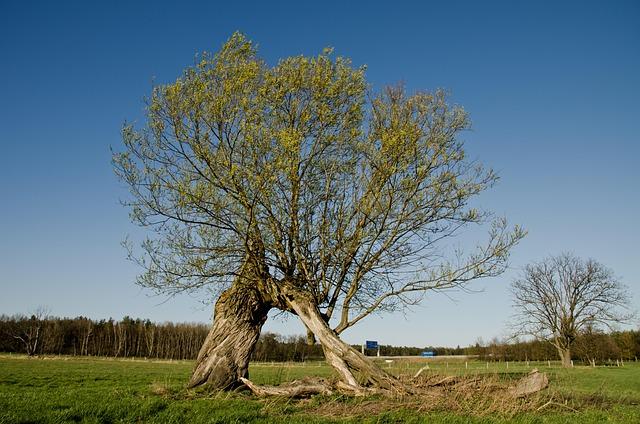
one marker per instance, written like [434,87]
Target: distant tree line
[590,346]
[274,347]
[82,336]
[38,334]
[388,350]
[41,335]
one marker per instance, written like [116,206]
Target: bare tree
[30,331]
[294,187]
[560,297]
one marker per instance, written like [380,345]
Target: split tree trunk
[224,357]
[240,312]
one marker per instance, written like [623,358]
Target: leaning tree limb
[356,372]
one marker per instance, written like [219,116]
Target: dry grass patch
[478,395]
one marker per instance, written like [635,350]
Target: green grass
[93,390]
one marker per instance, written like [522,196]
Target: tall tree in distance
[560,297]
[297,186]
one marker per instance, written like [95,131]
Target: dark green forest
[137,338]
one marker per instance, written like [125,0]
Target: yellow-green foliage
[339,183]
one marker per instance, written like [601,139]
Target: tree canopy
[350,193]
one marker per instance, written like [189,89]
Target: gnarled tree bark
[565,356]
[224,357]
[240,312]
[355,370]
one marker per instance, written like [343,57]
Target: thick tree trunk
[239,315]
[354,369]
[565,356]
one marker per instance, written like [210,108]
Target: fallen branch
[551,402]
[426,367]
[350,390]
[452,379]
[296,389]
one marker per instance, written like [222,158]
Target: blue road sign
[371,344]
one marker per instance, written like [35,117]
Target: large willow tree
[294,187]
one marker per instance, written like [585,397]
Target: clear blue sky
[553,90]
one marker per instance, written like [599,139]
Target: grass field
[94,390]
